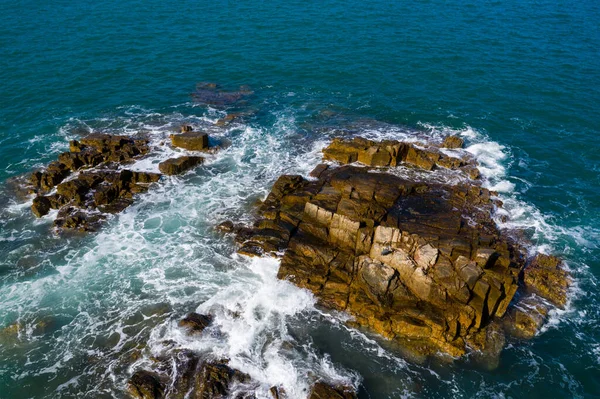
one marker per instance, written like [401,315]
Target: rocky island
[420,263]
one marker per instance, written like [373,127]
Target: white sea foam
[129,284]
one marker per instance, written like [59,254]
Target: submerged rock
[417,262]
[176,166]
[212,94]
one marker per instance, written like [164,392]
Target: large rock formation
[420,263]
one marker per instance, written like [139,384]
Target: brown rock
[214,379]
[105,188]
[145,385]
[547,278]
[418,262]
[144,177]
[193,141]
[420,158]
[226,226]
[526,318]
[41,206]
[47,179]
[277,393]
[196,323]
[322,390]
[453,142]
[176,166]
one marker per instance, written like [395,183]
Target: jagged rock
[50,177]
[176,166]
[145,385]
[318,170]
[322,390]
[41,206]
[226,226]
[526,318]
[392,153]
[192,141]
[214,379]
[418,262]
[72,218]
[547,278]
[105,188]
[488,343]
[196,323]
[453,142]
[200,378]
[186,128]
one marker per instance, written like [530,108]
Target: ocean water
[518,80]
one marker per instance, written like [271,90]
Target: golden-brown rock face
[420,263]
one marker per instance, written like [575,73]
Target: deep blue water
[520,80]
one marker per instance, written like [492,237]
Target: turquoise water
[519,80]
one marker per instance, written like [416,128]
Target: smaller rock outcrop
[191,377]
[190,140]
[176,166]
[88,183]
[145,385]
[547,277]
[195,323]
[322,390]
[393,153]
[453,142]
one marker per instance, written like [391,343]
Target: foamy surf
[121,291]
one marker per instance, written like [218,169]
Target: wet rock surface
[195,323]
[145,385]
[177,166]
[420,263]
[322,390]
[393,153]
[190,140]
[547,277]
[87,182]
[190,376]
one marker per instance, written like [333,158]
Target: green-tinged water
[519,80]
